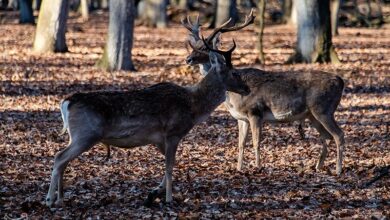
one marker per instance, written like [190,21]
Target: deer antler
[226,54]
[196,49]
[193,28]
[249,19]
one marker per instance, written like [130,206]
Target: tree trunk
[287,7]
[37,4]
[117,53]
[13,4]
[51,28]
[154,12]
[26,12]
[261,7]
[226,9]
[334,10]
[314,37]
[84,9]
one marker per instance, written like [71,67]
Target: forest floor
[206,182]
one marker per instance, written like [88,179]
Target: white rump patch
[64,115]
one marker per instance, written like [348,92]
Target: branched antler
[249,19]
[193,28]
[226,54]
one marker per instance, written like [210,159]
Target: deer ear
[217,41]
[192,39]
[214,60]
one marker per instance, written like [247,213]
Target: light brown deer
[275,96]
[161,115]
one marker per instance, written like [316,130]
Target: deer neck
[208,94]
[204,68]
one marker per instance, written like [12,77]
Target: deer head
[221,63]
[199,55]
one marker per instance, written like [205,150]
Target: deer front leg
[170,149]
[160,188]
[243,128]
[256,123]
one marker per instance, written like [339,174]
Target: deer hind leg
[301,130]
[256,123]
[329,123]
[243,128]
[60,162]
[324,135]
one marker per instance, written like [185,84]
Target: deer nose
[189,60]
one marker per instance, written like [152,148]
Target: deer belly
[134,133]
[134,140]
[287,116]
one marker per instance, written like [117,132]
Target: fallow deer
[275,96]
[161,115]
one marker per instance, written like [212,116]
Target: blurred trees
[226,9]
[153,12]
[51,27]
[117,52]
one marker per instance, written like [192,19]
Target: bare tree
[51,27]
[226,9]
[83,9]
[261,7]
[334,10]
[26,12]
[287,6]
[117,53]
[314,38]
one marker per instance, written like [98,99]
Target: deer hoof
[151,197]
[338,171]
[319,167]
[49,201]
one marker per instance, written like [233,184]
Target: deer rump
[131,118]
[286,96]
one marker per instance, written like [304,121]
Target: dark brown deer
[276,96]
[161,115]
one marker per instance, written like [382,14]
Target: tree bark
[334,10]
[314,37]
[261,7]
[117,52]
[26,12]
[51,27]
[154,12]
[226,9]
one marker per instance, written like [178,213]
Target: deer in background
[275,97]
[161,115]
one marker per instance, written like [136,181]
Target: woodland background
[206,182]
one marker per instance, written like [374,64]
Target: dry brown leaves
[206,184]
